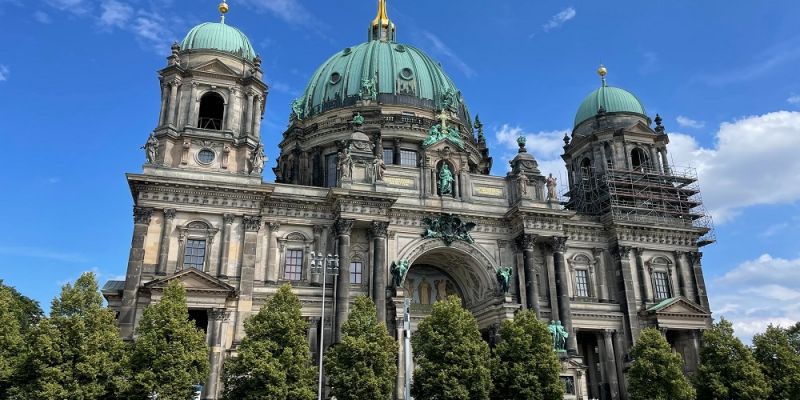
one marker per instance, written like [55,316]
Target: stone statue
[297,108]
[522,182]
[399,270]
[445,180]
[378,169]
[368,91]
[358,120]
[560,336]
[449,228]
[551,188]
[257,160]
[151,149]
[345,165]
[424,292]
[441,289]
[504,278]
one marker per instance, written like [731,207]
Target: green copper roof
[613,100]
[218,36]
[401,70]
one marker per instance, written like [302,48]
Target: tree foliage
[274,359]
[12,344]
[452,360]
[780,362]
[77,352]
[170,354]
[727,368]
[794,336]
[657,372]
[525,366]
[363,366]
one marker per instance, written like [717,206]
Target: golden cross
[443,117]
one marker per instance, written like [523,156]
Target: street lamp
[318,262]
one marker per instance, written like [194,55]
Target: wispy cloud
[559,19]
[42,17]
[438,47]
[283,87]
[794,99]
[115,14]
[687,122]
[291,11]
[43,253]
[4,73]
[74,6]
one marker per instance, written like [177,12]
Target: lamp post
[319,262]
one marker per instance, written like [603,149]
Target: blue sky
[79,95]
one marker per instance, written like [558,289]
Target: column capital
[317,229]
[637,251]
[141,215]
[251,223]
[678,254]
[169,213]
[598,251]
[559,244]
[217,314]
[696,257]
[526,241]
[273,226]
[608,332]
[343,226]
[379,229]
[623,252]
[227,218]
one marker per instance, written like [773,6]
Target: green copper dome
[390,72]
[218,36]
[612,100]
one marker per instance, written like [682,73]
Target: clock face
[205,156]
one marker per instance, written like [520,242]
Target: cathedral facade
[383,168]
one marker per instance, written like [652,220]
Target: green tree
[274,359]
[779,361]
[26,310]
[727,368]
[77,352]
[657,372]
[452,360]
[170,354]
[794,336]
[12,343]
[363,366]
[525,366]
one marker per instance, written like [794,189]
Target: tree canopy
[274,359]
[363,366]
[170,354]
[657,372]
[727,368]
[780,362]
[452,360]
[524,365]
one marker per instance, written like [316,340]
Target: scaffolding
[643,195]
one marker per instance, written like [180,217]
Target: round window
[400,48]
[205,156]
[406,73]
[335,78]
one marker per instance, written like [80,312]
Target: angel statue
[399,270]
[504,278]
[151,149]
[257,160]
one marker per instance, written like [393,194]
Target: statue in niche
[257,160]
[559,335]
[551,187]
[441,289]
[151,149]
[504,278]
[446,180]
[522,182]
[345,165]
[399,270]
[376,170]
[424,292]
[409,287]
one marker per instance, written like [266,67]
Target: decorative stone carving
[623,252]
[251,223]
[151,149]
[343,226]
[551,183]
[399,271]
[227,219]
[317,229]
[504,278]
[449,228]
[526,241]
[368,90]
[217,314]
[274,226]
[559,244]
[379,228]
[257,160]
[169,213]
[141,215]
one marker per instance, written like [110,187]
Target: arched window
[212,108]
[639,159]
[586,168]
[609,154]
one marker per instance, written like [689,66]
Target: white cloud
[42,17]
[74,6]
[559,19]
[4,73]
[687,122]
[794,99]
[290,11]
[758,292]
[440,48]
[115,14]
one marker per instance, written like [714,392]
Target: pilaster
[163,248]
[343,230]
[378,231]
[227,221]
[127,314]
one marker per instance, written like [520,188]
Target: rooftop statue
[399,271]
[151,149]
[297,108]
[504,278]
[257,160]
[551,188]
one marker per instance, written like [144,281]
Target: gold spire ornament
[382,18]
[602,71]
[223,9]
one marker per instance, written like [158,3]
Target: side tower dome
[219,36]
[609,100]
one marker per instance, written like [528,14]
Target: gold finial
[602,71]
[382,18]
[223,9]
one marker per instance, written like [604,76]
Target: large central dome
[399,74]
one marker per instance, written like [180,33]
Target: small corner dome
[612,100]
[219,36]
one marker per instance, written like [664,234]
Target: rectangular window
[388,155]
[662,285]
[195,254]
[582,283]
[330,170]
[293,268]
[408,158]
[356,272]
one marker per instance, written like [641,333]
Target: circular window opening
[400,48]
[406,73]
[346,51]
[335,78]
[205,156]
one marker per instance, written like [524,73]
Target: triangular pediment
[640,127]
[193,280]
[677,305]
[215,66]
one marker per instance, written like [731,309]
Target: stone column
[702,297]
[654,156]
[562,291]
[273,258]
[173,97]
[644,278]
[665,160]
[610,363]
[215,345]
[127,313]
[232,109]
[551,283]
[627,293]
[684,276]
[619,359]
[343,229]
[162,116]
[191,108]
[396,152]
[526,243]
[163,248]
[257,117]
[227,221]
[248,116]
[378,231]
[592,374]
[602,278]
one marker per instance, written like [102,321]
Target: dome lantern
[382,28]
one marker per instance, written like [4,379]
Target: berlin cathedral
[383,167]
